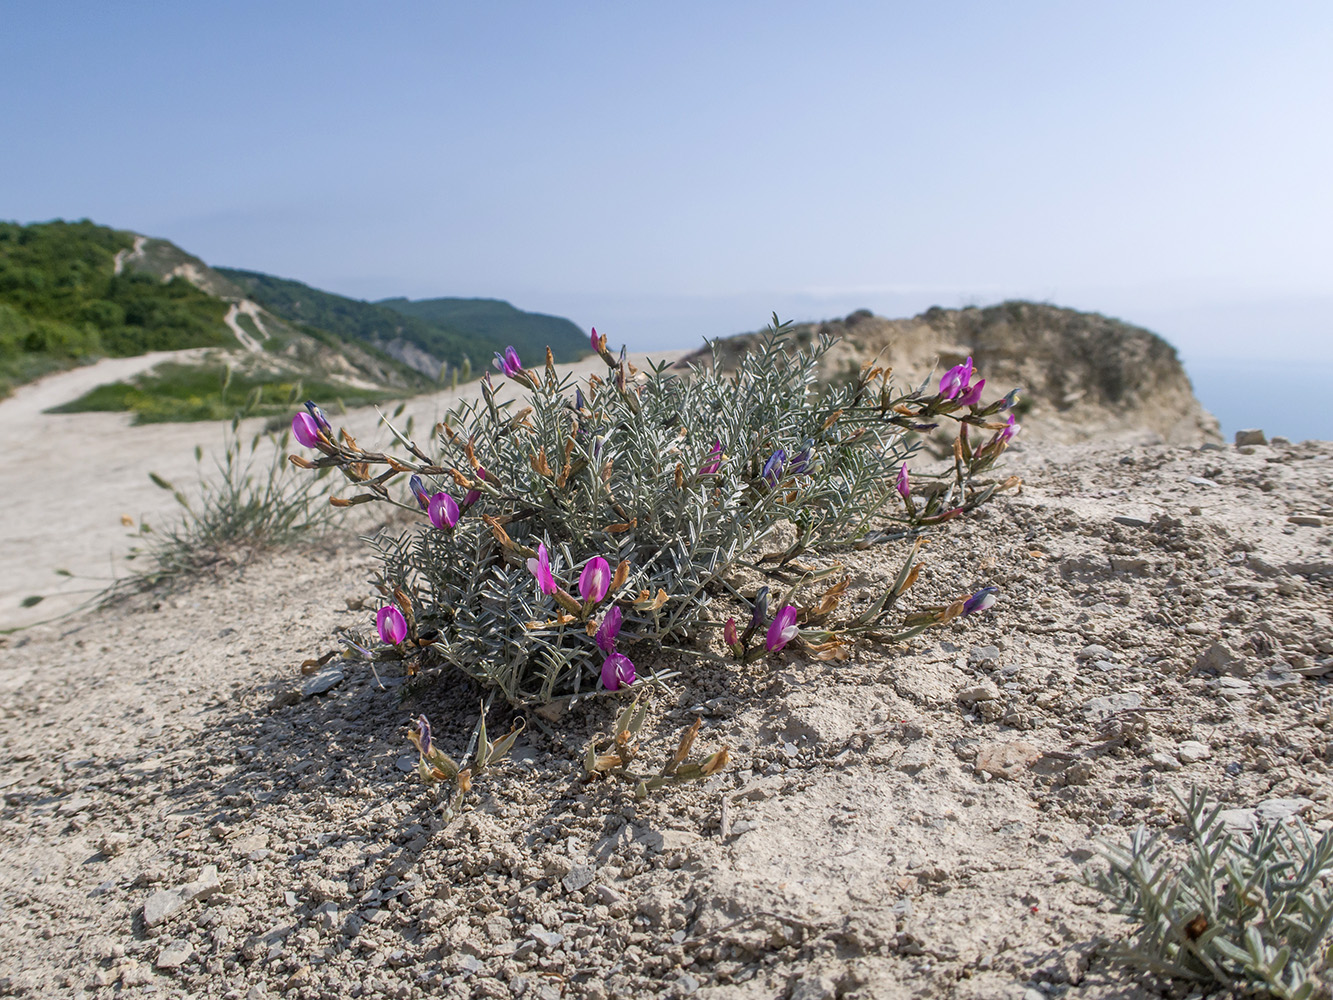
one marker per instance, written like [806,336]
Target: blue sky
[673,171]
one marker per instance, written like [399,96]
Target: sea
[1286,399]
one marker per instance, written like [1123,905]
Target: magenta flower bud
[442,511]
[617,672]
[392,625]
[608,630]
[508,362]
[596,344]
[541,569]
[714,460]
[980,601]
[320,420]
[904,484]
[955,380]
[423,733]
[472,496]
[729,635]
[772,471]
[783,630]
[305,430]
[418,489]
[972,396]
[1010,429]
[595,580]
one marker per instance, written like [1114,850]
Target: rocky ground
[184,817]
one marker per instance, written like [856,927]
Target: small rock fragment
[1192,751]
[983,656]
[174,954]
[1306,520]
[161,905]
[1006,760]
[325,680]
[547,939]
[985,691]
[1250,437]
[1219,658]
[1101,709]
[579,877]
[1164,762]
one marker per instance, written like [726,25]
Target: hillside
[499,324]
[71,292]
[1084,376]
[66,296]
[426,334]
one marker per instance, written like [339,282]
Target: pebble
[1096,652]
[687,984]
[1306,520]
[1270,811]
[1250,437]
[548,939]
[1164,762]
[579,877]
[1199,481]
[1192,751]
[1006,760]
[608,896]
[1099,709]
[161,905]
[1131,522]
[407,763]
[985,691]
[1220,658]
[174,954]
[326,680]
[982,656]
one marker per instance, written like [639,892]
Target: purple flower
[578,399]
[320,420]
[423,734]
[472,496]
[802,458]
[392,625]
[955,380]
[904,484]
[773,467]
[595,580]
[305,430]
[442,511]
[596,341]
[972,396]
[729,635]
[617,672]
[541,569]
[783,630]
[608,630]
[758,612]
[418,489]
[980,601]
[714,460]
[1010,429]
[508,362]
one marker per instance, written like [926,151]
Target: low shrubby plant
[252,502]
[1249,910]
[572,533]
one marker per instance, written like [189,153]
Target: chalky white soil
[180,820]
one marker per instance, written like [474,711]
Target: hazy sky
[671,171]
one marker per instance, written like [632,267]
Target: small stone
[608,896]
[814,987]
[547,939]
[985,691]
[325,680]
[174,954]
[983,656]
[161,905]
[1199,481]
[1192,751]
[1096,652]
[1219,658]
[1131,522]
[687,984]
[327,916]
[1164,762]
[1306,520]
[204,886]
[1006,760]
[1250,437]
[1101,709]
[407,763]
[113,843]
[579,877]
[1233,687]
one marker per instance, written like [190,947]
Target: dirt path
[180,818]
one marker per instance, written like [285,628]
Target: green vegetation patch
[172,392]
[498,324]
[62,303]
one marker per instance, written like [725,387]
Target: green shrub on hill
[61,301]
[498,324]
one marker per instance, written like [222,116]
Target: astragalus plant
[591,522]
[1251,910]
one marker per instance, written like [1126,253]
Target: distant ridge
[499,323]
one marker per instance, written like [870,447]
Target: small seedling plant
[574,531]
[1250,911]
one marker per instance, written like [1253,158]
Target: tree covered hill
[500,324]
[65,297]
